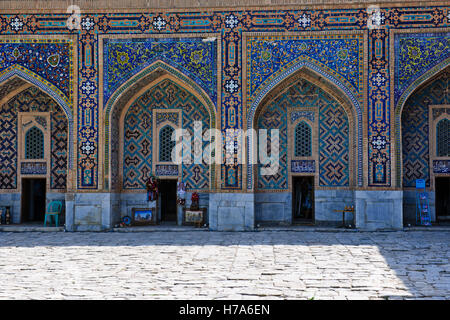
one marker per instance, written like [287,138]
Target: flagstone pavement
[225,265]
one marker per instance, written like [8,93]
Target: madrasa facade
[354,98]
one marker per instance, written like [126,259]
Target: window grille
[34,144]
[166,144]
[443,138]
[303,140]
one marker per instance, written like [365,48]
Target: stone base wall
[11,200]
[128,201]
[375,210]
[89,211]
[273,208]
[326,201]
[378,210]
[277,207]
[231,211]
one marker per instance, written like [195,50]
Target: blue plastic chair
[53,210]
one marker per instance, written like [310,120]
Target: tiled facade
[363,78]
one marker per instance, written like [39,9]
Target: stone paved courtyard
[215,265]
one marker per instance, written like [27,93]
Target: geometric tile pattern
[338,58]
[124,58]
[48,59]
[341,56]
[32,100]
[231,24]
[303,166]
[414,117]
[378,115]
[416,54]
[274,116]
[138,135]
[333,135]
[333,145]
[58,150]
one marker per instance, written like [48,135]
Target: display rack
[423,217]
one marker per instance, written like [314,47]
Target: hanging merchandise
[194,201]
[181,193]
[152,188]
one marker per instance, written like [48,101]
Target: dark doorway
[33,200]
[303,199]
[442,199]
[168,193]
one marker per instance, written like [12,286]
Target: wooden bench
[349,209]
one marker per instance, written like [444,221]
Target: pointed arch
[45,86]
[146,79]
[325,81]
[420,81]
[426,78]
[24,104]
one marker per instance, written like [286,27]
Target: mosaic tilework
[274,116]
[138,135]
[231,24]
[339,55]
[51,60]
[379,122]
[166,170]
[339,58]
[167,116]
[302,115]
[416,54]
[32,99]
[117,101]
[441,166]
[303,166]
[124,58]
[333,135]
[48,64]
[333,145]
[438,111]
[33,168]
[415,130]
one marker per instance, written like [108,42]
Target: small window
[443,138]
[166,144]
[303,140]
[34,144]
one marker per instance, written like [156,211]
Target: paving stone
[223,265]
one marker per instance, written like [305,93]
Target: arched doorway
[317,141]
[140,144]
[34,132]
[424,141]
